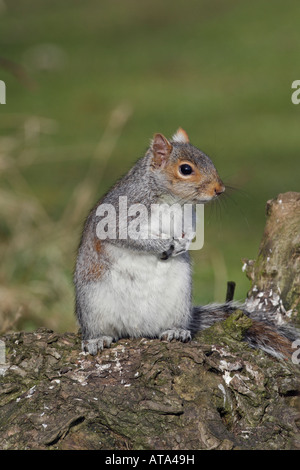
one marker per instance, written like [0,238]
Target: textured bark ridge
[212,393]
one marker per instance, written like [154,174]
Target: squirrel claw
[92,346]
[176,333]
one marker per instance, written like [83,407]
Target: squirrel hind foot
[92,346]
[178,334]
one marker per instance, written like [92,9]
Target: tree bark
[275,274]
[212,393]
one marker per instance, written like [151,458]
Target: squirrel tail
[264,334]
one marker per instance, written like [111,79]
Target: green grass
[221,70]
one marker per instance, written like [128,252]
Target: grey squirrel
[141,286]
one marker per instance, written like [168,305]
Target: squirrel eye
[185,169]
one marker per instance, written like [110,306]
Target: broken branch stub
[275,274]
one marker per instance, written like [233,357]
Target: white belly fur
[140,295]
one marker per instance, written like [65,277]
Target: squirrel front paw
[92,346]
[180,334]
[178,246]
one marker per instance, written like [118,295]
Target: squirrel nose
[219,189]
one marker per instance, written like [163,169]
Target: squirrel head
[183,170]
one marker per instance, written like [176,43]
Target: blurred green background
[89,83]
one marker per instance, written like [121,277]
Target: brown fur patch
[97,245]
[94,267]
[175,175]
[214,189]
[161,148]
[94,272]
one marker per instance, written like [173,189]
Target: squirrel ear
[161,149]
[181,136]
